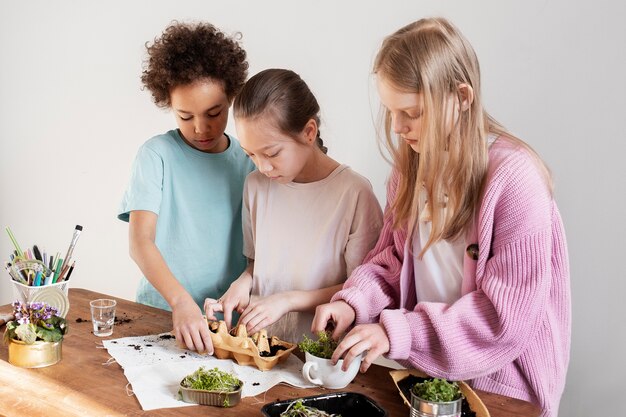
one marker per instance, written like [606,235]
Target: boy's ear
[466,93]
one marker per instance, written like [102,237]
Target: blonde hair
[432,57]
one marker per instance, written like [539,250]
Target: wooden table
[69,388]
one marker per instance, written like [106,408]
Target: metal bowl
[214,398]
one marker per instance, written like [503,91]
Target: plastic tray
[348,404]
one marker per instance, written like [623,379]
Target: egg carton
[256,350]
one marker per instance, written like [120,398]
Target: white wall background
[72,115]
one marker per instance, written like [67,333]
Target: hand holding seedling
[338,314]
[263,311]
[236,298]
[369,338]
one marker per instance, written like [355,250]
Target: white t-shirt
[438,276]
[306,236]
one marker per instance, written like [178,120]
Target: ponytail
[320,142]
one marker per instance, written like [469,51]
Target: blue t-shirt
[197,197]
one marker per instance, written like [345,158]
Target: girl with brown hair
[308,220]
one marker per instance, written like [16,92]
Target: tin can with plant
[34,337]
[436,398]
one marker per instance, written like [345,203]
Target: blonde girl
[308,220]
[469,279]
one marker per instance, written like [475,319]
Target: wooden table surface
[80,385]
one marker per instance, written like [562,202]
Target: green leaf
[48,335]
[59,323]
[9,332]
[26,333]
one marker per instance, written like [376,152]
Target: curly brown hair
[188,52]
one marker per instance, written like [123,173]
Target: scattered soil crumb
[123,319]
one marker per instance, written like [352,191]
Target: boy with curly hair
[183,203]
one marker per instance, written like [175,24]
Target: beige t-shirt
[307,236]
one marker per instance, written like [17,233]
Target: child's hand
[236,298]
[369,338]
[263,311]
[338,313]
[190,328]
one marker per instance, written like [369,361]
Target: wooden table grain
[81,385]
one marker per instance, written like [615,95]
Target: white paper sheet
[154,366]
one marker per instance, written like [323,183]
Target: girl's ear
[466,93]
[310,131]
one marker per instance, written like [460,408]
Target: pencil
[57,270]
[24,276]
[17,247]
[67,278]
[65,268]
[48,279]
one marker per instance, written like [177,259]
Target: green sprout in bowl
[298,409]
[212,380]
[437,390]
[323,347]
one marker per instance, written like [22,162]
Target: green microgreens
[297,409]
[211,380]
[323,347]
[437,390]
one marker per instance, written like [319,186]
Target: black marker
[37,253]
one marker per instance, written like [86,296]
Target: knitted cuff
[355,299]
[399,333]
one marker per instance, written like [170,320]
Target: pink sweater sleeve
[379,274]
[486,328]
[489,328]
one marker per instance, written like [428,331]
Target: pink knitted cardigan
[509,333]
